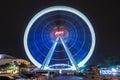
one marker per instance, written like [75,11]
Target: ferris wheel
[59,37]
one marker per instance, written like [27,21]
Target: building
[10,59]
[12,64]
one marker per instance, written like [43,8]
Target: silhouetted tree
[111,60]
[22,66]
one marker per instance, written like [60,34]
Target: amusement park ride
[59,38]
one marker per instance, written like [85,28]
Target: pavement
[68,78]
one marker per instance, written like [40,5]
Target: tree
[22,66]
[110,60]
[5,67]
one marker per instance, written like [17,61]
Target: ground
[68,78]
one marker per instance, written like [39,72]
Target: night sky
[103,14]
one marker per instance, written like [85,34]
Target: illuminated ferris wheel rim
[59,8]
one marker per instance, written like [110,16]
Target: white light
[114,70]
[1,56]
[59,8]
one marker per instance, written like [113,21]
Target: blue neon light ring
[52,9]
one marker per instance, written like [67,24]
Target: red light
[58,33]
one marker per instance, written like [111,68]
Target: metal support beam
[73,62]
[50,53]
[49,56]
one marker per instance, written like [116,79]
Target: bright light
[58,8]
[1,56]
[59,32]
[109,72]
[114,70]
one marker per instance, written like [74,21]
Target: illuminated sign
[59,32]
